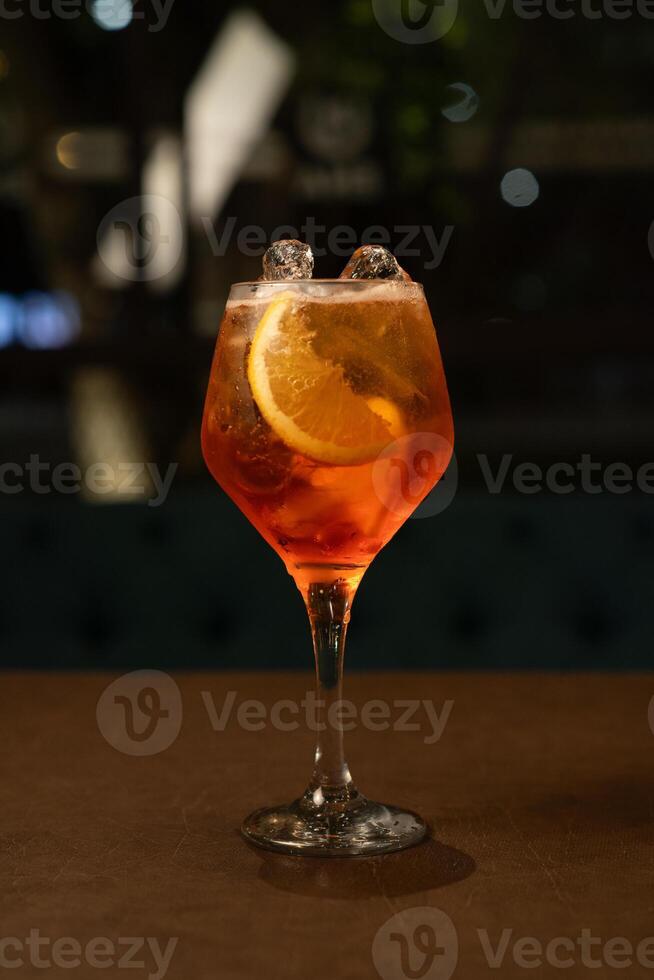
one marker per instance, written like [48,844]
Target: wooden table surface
[540,792]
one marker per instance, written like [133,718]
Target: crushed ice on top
[287,260]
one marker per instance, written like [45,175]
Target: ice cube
[287,259]
[374,262]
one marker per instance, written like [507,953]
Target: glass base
[334,830]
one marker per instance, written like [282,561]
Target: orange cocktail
[312,383]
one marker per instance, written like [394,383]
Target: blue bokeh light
[112,15]
[9,313]
[47,321]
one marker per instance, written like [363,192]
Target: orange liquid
[328,520]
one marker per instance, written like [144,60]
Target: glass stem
[328,605]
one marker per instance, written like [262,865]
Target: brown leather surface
[540,792]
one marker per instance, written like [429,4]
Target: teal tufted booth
[492,582]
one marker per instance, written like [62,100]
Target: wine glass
[327,421]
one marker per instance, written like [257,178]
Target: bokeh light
[465,105]
[9,309]
[47,321]
[67,150]
[112,15]
[520,188]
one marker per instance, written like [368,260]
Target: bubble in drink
[374,262]
[286,260]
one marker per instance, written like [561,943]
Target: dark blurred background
[147,152]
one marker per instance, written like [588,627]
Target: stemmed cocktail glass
[327,421]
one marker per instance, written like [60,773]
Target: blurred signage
[337,132]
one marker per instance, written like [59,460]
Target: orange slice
[305,398]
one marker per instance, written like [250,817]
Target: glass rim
[331,283]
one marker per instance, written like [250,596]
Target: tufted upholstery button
[97,628]
[521,530]
[218,626]
[156,532]
[642,529]
[469,623]
[593,622]
[36,535]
